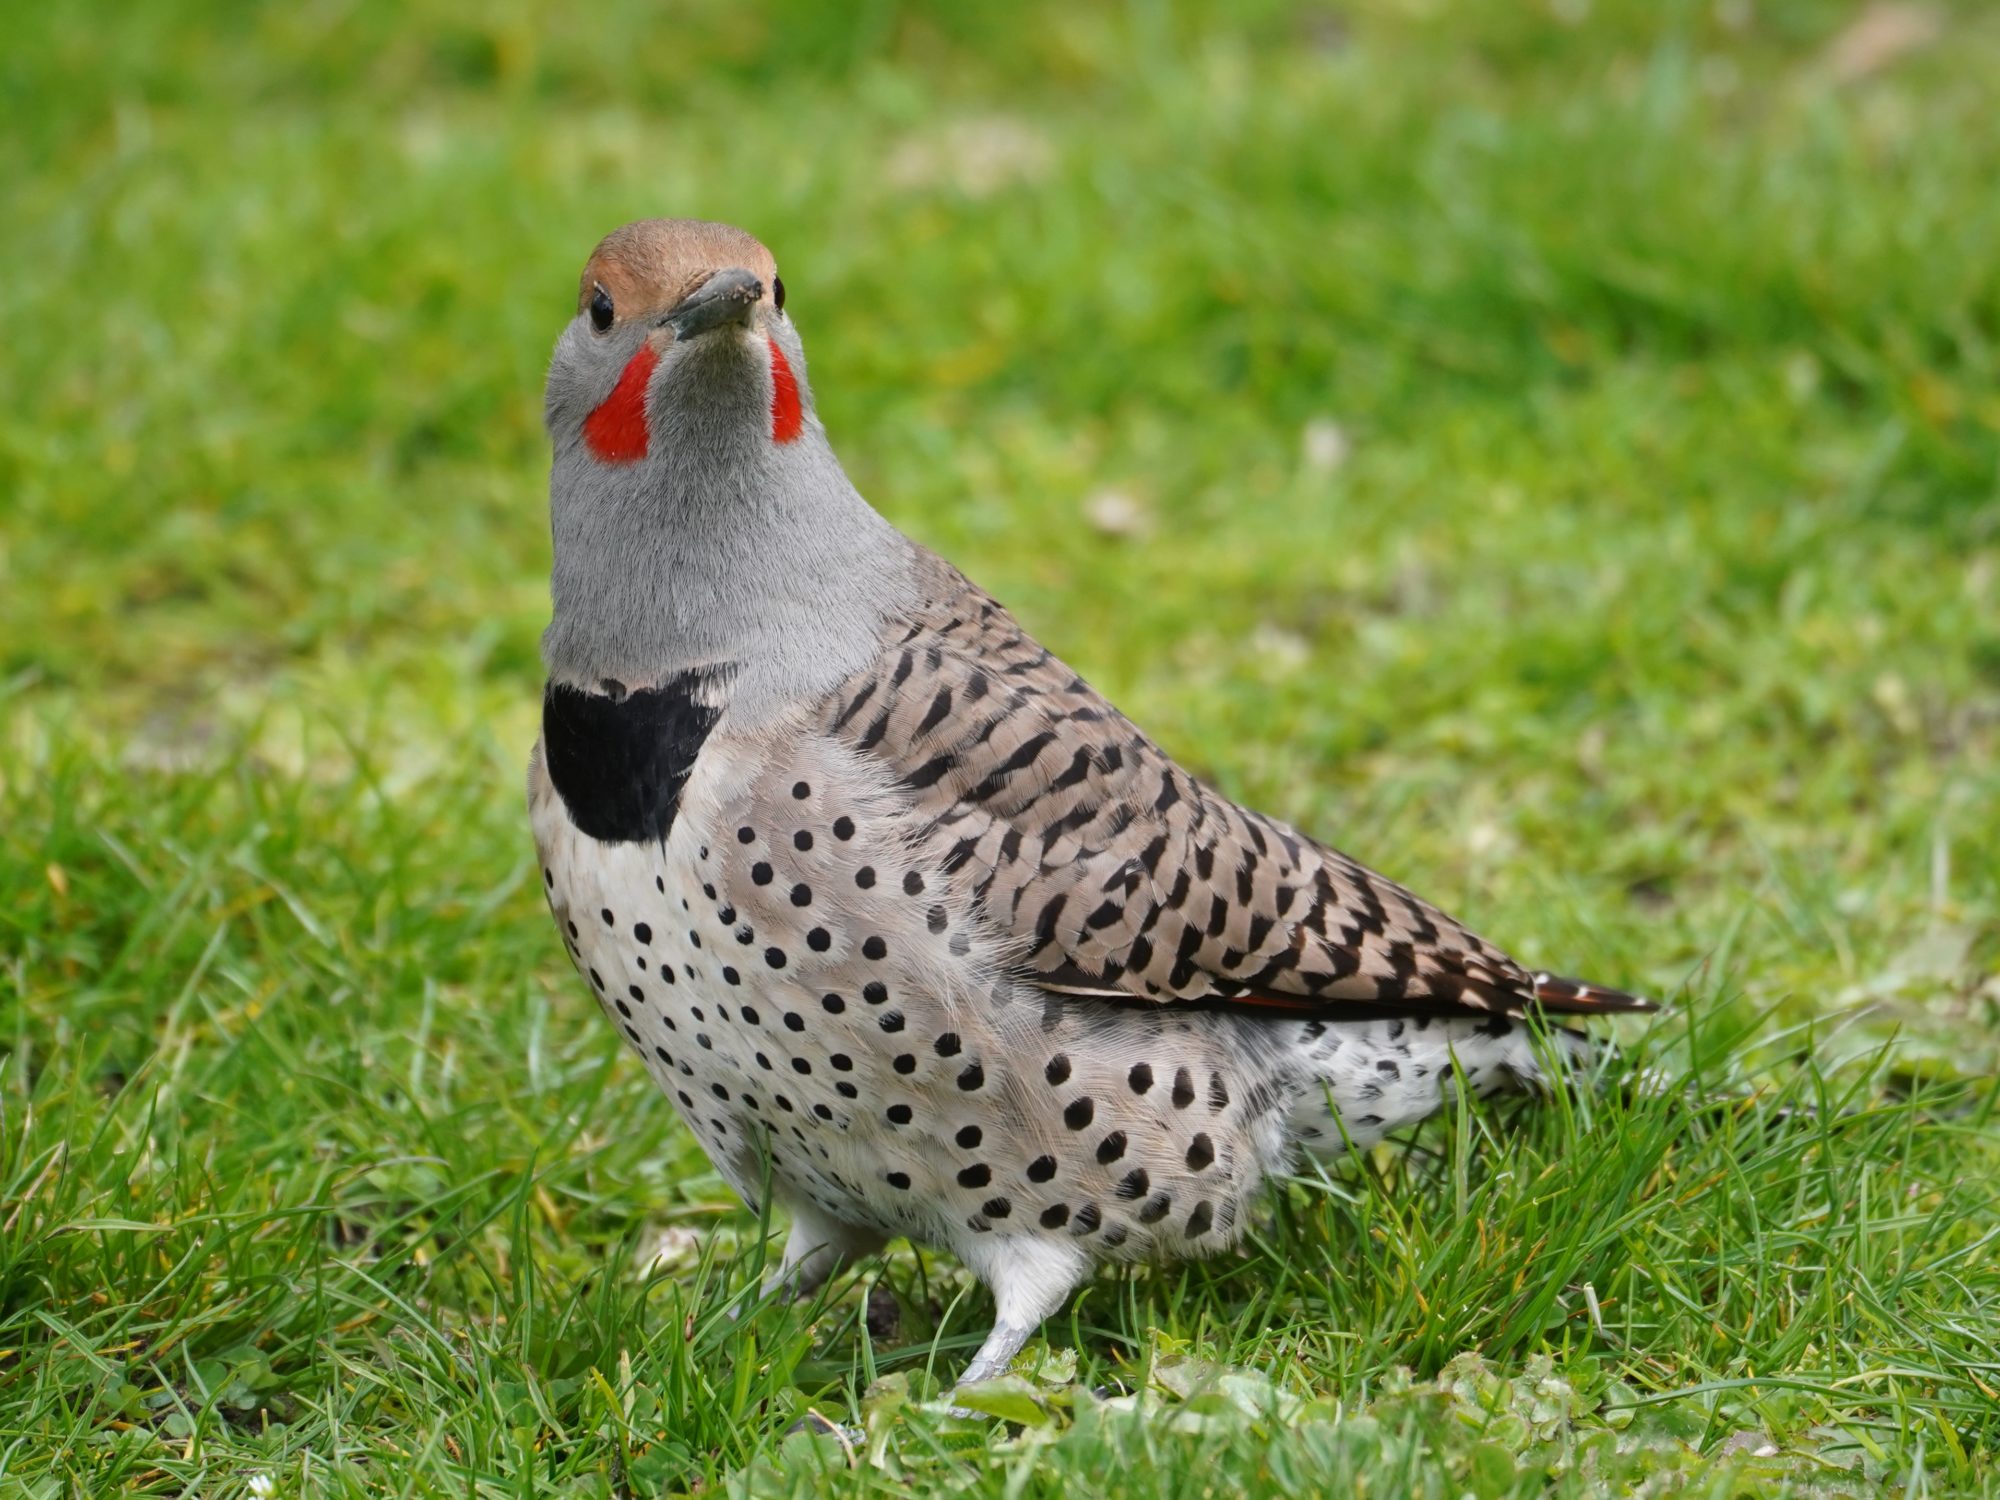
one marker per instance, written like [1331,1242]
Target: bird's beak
[726,297]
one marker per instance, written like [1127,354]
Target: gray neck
[720,548]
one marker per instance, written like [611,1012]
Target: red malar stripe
[786,416]
[616,431]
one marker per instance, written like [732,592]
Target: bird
[923,938]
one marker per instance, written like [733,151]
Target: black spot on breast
[619,764]
[1041,1169]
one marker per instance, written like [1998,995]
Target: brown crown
[649,266]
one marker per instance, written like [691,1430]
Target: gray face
[699,517]
[583,372]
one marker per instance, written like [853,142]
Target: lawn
[1551,450]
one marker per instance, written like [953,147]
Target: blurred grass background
[1552,450]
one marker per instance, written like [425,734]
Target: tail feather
[1573,997]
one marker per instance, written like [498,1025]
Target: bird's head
[680,337]
[698,514]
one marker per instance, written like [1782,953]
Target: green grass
[1646,613]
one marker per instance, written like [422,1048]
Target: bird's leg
[997,1353]
[1030,1280]
[817,1247]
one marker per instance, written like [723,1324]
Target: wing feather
[1117,874]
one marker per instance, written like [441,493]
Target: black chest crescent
[619,759]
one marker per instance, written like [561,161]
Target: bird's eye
[778,292]
[601,311]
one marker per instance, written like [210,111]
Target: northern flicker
[884,892]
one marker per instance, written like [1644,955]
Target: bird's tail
[1573,997]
